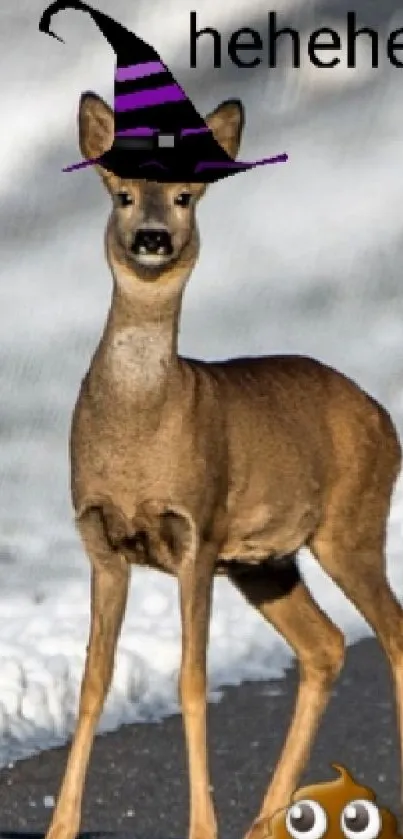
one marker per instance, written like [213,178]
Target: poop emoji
[340,809]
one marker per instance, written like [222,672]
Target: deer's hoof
[260,829]
[203,832]
[62,831]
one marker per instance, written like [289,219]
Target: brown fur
[230,467]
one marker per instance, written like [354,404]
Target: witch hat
[158,133]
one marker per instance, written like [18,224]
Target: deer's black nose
[152,241]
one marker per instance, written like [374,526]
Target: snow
[303,257]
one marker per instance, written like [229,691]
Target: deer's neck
[139,347]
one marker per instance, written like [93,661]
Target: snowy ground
[303,257]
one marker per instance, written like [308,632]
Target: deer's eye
[183,199]
[124,199]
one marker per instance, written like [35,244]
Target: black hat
[158,133]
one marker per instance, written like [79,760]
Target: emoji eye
[306,820]
[361,819]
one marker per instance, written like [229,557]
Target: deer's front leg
[196,584]
[109,586]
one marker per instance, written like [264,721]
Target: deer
[228,467]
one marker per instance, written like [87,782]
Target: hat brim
[124,166]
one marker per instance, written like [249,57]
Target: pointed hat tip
[60,6]
[44,22]
[119,38]
[53,35]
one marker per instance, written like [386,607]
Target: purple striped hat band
[147,132]
[233,164]
[139,71]
[239,164]
[149,98]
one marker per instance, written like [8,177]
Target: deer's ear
[96,131]
[95,125]
[226,123]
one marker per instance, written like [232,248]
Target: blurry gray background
[303,257]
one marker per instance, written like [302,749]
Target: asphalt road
[137,782]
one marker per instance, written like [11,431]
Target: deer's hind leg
[281,596]
[350,546]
